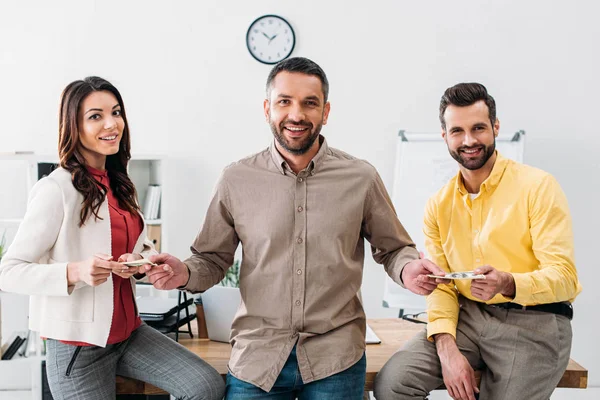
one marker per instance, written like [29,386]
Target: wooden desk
[392,332]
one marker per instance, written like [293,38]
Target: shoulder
[356,166]
[256,161]
[531,178]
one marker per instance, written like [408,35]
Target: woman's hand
[128,272]
[93,271]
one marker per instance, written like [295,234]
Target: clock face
[270,39]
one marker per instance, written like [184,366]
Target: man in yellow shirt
[511,223]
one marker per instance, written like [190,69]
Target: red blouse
[125,230]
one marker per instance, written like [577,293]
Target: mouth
[295,130]
[472,152]
[109,138]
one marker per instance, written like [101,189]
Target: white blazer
[36,263]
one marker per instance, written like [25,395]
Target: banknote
[138,263]
[459,275]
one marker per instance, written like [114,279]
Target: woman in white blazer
[79,219]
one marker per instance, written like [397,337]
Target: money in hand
[138,263]
[459,275]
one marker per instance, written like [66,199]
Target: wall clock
[270,39]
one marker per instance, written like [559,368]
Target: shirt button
[476,230]
[312,172]
[300,209]
[478,260]
[299,272]
[298,302]
[299,240]
[300,179]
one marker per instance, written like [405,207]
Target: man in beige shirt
[301,210]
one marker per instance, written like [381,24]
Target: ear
[496,127]
[443,134]
[266,107]
[326,112]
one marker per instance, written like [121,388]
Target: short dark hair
[302,65]
[465,94]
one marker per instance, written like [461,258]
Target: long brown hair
[71,159]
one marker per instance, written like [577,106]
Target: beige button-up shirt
[303,250]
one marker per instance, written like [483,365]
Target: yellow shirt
[518,223]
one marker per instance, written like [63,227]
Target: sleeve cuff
[523,290]
[440,326]
[407,255]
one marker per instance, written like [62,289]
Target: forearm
[204,272]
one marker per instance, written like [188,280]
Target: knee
[394,382]
[206,386]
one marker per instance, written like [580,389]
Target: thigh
[238,389]
[153,357]
[346,385]
[415,370]
[526,355]
[80,373]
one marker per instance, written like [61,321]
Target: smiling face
[296,111]
[469,134]
[100,127]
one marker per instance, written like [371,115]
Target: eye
[117,113]
[94,117]
[284,101]
[312,103]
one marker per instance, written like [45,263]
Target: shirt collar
[313,165]
[491,181]
[97,172]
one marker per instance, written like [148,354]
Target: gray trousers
[522,355]
[88,373]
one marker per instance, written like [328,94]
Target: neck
[298,162]
[474,178]
[94,160]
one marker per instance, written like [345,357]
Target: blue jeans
[345,385]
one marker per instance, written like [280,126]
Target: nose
[469,139]
[110,123]
[296,113]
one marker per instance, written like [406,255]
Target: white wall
[193,92]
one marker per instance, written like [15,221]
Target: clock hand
[265,35]
[274,36]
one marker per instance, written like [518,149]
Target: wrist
[72,273]
[445,345]
[509,285]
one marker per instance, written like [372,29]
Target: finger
[431,267]
[103,256]
[462,393]
[97,282]
[474,382]
[162,282]
[451,391]
[469,390]
[443,281]
[167,268]
[429,286]
[158,276]
[484,269]
[157,270]
[159,258]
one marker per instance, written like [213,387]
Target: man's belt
[565,309]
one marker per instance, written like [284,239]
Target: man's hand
[495,282]
[414,276]
[93,271]
[170,273]
[458,374]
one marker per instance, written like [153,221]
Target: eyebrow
[287,96]
[99,109]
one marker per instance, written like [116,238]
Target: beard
[471,163]
[299,146]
